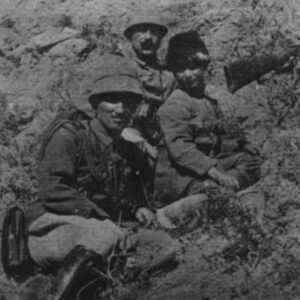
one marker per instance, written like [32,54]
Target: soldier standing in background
[145,32]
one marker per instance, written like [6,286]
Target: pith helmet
[145,16]
[115,75]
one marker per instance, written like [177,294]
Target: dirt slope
[48,50]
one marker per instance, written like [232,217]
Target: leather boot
[73,270]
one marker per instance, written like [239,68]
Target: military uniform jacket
[66,185]
[157,83]
[189,144]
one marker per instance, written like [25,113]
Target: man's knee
[103,237]
[50,247]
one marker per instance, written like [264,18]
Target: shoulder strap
[84,146]
[162,96]
[98,169]
[48,135]
[71,115]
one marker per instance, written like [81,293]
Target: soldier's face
[192,77]
[115,111]
[145,40]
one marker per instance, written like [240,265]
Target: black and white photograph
[150,149]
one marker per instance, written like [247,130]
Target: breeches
[52,237]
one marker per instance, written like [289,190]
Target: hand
[131,135]
[134,136]
[223,178]
[145,216]
[253,163]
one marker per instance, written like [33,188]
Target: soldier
[145,31]
[192,154]
[88,179]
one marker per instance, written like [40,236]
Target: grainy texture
[48,49]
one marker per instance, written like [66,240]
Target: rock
[203,239]
[16,54]
[28,136]
[69,31]
[4,84]
[46,40]
[69,48]
[3,44]
[7,66]
[23,110]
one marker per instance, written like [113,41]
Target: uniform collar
[193,94]
[100,132]
[153,64]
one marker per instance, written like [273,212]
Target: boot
[73,270]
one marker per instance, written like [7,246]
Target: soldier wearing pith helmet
[88,181]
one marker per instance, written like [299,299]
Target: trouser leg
[176,212]
[52,237]
[244,167]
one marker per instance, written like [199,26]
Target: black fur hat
[183,49]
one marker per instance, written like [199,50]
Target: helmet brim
[129,30]
[115,85]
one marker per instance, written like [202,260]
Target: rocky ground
[47,50]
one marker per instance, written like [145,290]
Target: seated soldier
[89,179]
[191,155]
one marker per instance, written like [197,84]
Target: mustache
[147,44]
[124,115]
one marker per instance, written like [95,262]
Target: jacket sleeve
[57,178]
[174,118]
